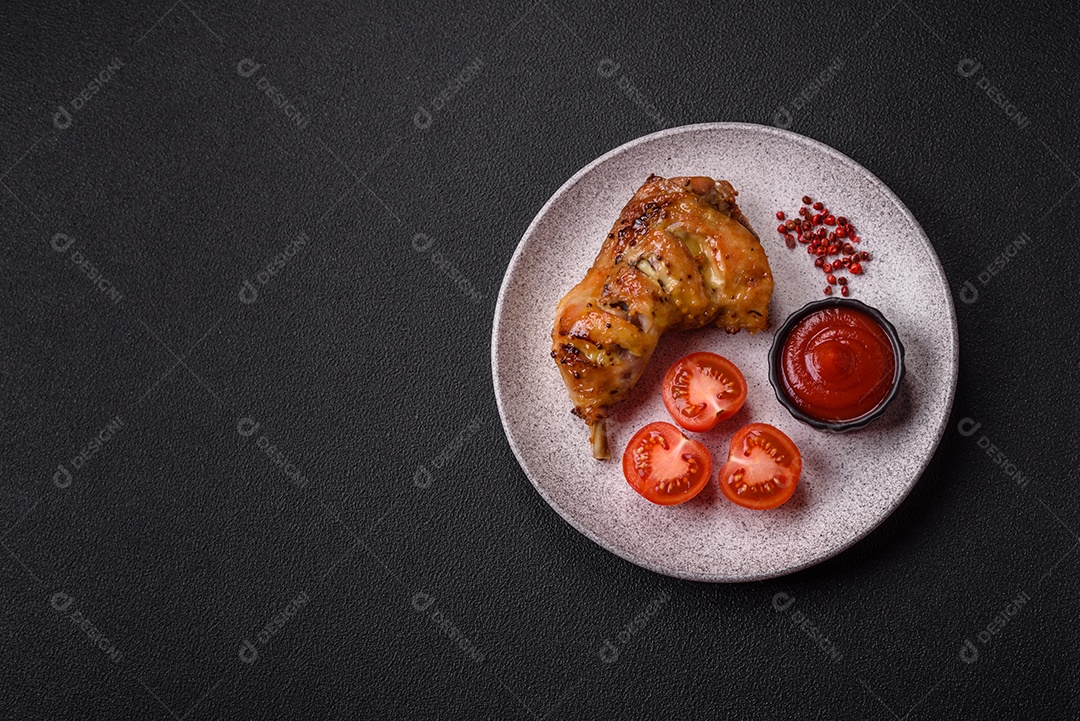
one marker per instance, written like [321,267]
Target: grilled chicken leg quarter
[680,256]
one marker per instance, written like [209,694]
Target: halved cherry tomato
[762,468]
[703,389]
[665,466]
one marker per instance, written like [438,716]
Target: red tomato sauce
[838,364]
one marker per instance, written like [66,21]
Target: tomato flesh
[703,389]
[664,466]
[762,468]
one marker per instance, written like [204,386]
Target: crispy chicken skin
[680,256]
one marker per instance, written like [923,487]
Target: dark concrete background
[296,499]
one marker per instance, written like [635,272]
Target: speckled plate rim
[954,350]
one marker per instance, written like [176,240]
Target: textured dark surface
[367,367]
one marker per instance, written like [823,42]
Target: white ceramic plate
[850,483]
